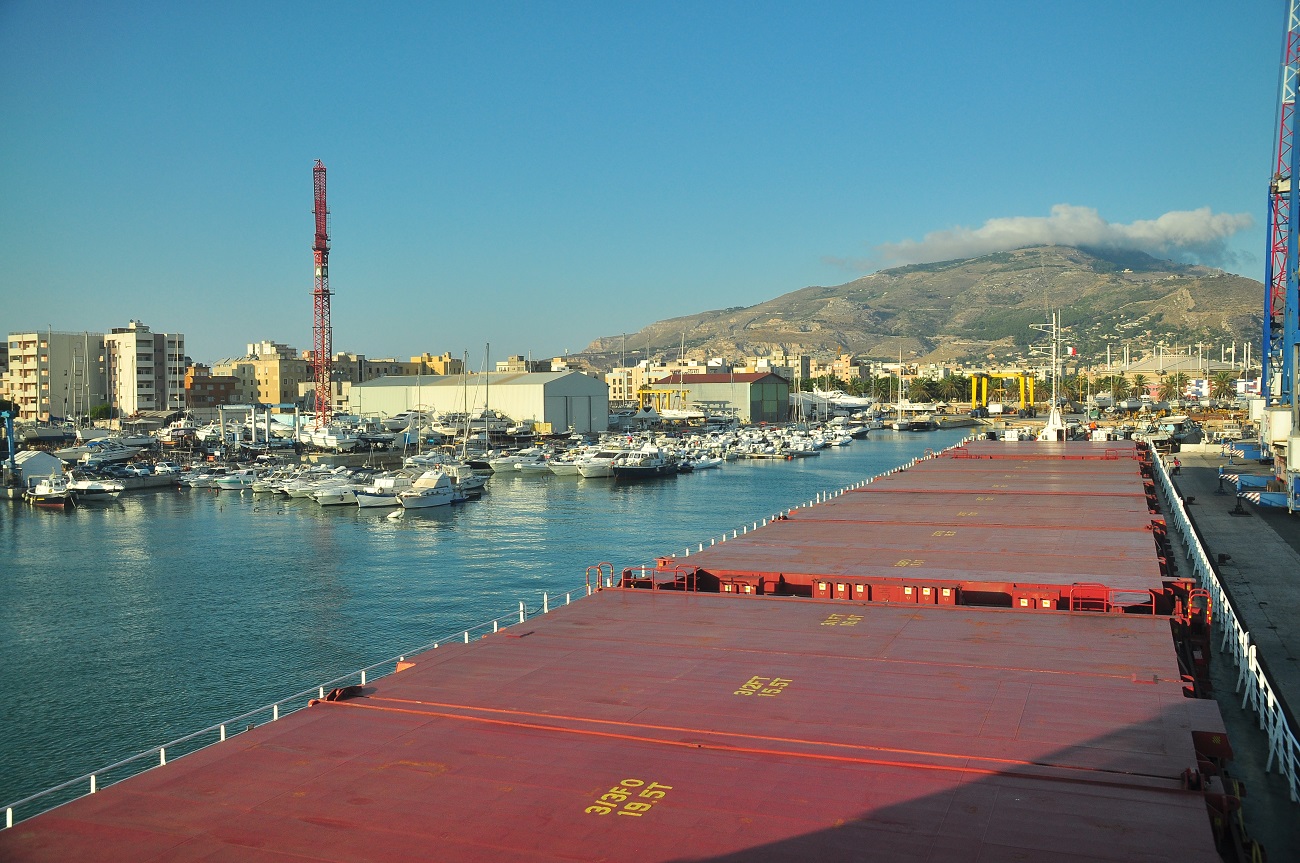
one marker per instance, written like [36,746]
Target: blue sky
[535,175]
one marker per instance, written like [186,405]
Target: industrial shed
[34,464]
[755,396]
[568,401]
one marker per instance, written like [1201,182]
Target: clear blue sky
[538,174]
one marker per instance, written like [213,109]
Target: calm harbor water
[126,625]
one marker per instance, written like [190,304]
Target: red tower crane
[322,335]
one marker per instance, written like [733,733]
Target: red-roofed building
[755,396]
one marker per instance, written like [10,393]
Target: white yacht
[236,480]
[100,451]
[433,488]
[89,490]
[601,463]
[383,491]
[507,463]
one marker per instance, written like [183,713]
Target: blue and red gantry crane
[1281,308]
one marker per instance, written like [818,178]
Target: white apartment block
[146,370]
[56,375]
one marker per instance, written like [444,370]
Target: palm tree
[1223,385]
[883,387]
[920,390]
[1112,384]
[1138,386]
[1072,387]
[949,388]
[1173,386]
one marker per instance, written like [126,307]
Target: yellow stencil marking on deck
[635,796]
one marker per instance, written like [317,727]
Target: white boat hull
[426,498]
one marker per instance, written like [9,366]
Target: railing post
[223,727]
[162,756]
[521,612]
[93,789]
[467,636]
[275,709]
[9,817]
[567,598]
[494,626]
[363,677]
[546,604]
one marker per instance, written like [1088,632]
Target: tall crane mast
[1281,290]
[322,335]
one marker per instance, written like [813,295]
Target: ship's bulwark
[669,724]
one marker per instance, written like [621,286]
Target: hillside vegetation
[978,309]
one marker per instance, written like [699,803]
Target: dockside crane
[1280,354]
[1281,326]
[322,335]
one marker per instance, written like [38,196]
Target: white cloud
[1197,235]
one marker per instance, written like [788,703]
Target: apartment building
[146,370]
[269,373]
[203,389]
[56,375]
[444,364]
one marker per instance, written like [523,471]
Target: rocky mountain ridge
[976,309]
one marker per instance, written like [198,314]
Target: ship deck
[673,724]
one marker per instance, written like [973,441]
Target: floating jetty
[989,655]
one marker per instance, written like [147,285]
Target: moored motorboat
[649,461]
[91,490]
[51,492]
[235,480]
[433,488]
[383,491]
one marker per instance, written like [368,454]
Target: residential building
[146,370]
[520,363]
[203,389]
[440,365]
[625,382]
[270,373]
[56,375]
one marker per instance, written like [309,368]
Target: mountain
[976,309]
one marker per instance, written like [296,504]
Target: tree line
[1076,387]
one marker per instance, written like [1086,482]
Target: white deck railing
[90,783]
[1252,680]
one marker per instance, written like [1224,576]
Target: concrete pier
[1256,556]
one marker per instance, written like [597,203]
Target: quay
[1255,553]
[835,704]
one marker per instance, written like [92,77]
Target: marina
[874,717]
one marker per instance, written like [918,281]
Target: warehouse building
[553,402]
[756,397]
